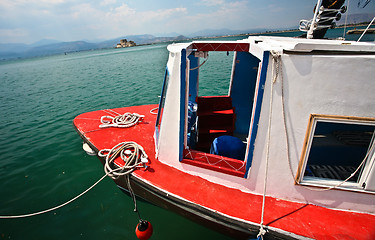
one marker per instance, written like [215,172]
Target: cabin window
[339,152]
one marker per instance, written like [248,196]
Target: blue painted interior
[182,103]
[193,78]
[256,112]
[245,89]
[193,93]
[242,91]
[228,146]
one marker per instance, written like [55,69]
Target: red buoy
[143,230]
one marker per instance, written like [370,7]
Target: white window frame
[366,179]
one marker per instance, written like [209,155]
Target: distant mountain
[356,18]
[140,40]
[50,47]
[61,47]
[226,32]
[214,32]
[44,42]
[13,47]
[170,34]
[23,51]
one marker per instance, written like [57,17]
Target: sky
[28,21]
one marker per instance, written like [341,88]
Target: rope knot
[131,153]
[262,232]
[121,121]
[277,68]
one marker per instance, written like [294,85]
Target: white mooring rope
[121,121]
[275,68]
[131,153]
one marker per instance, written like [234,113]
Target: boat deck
[298,218]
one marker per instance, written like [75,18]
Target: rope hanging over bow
[131,153]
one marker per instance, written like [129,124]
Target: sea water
[42,163]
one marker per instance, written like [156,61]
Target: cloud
[83,12]
[125,20]
[20,3]
[13,35]
[74,20]
[163,14]
[211,2]
[122,11]
[233,15]
[107,2]
[68,20]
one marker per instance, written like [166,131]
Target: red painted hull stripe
[302,219]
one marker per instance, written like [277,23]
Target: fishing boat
[288,153]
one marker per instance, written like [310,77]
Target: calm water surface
[42,163]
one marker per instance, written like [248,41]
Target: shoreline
[278,31]
[16,57]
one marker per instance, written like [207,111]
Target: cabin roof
[309,45]
[256,44]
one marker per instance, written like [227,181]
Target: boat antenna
[346,21]
[364,32]
[364,4]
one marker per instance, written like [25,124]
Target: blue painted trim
[257,110]
[182,103]
[161,96]
[163,89]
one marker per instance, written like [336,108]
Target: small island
[125,43]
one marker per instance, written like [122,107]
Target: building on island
[125,43]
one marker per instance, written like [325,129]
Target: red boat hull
[228,210]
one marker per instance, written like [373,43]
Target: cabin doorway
[221,91]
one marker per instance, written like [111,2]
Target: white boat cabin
[299,114]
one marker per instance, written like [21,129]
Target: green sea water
[42,163]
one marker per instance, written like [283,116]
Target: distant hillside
[23,51]
[139,40]
[356,18]
[50,47]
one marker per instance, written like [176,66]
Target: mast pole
[311,30]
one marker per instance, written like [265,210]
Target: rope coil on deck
[131,153]
[133,156]
[121,121]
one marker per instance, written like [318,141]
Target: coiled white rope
[131,158]
[121,121]
[131,153]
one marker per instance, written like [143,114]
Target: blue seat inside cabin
[192,118]
[228,146]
